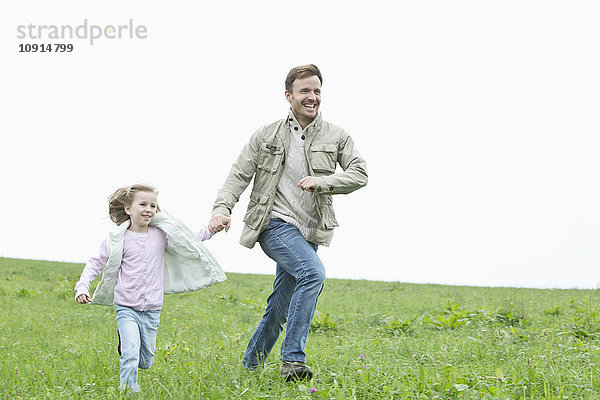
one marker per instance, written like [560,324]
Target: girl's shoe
[119,347]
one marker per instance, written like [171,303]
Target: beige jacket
[263,158]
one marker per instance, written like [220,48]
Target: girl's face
[141,210]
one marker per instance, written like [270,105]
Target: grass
[369,340]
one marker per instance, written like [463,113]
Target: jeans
[299,279]
[137,330]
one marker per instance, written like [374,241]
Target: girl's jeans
[299,279]
[138,342]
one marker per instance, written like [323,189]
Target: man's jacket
[264,157]
[189,265]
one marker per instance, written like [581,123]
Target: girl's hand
[83,298]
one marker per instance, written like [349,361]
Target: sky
[479,122]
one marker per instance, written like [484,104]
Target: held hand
[83,298]
[307,183]
[219,222]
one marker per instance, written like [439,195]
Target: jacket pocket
[330,222]
[323,157]
[257,208]
[269,156]
[328,215]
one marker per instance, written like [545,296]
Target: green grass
[369,340]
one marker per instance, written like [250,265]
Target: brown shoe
[296,371]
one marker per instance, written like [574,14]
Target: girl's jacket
[189,266]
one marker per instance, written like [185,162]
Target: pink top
[140,281]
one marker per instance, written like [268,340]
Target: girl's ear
[127,209]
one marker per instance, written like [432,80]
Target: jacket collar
[119,231]
[311,129]
[316,123]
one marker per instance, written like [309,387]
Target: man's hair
[302,71]
[123,196]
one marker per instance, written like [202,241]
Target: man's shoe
[296,371]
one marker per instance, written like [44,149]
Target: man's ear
[288,96]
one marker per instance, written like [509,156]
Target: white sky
[479,122]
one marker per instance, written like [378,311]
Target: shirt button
[319,189]
[295,128]
[283,162]
[331,188]
[291,119]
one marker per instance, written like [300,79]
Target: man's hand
[219,222]
[307,183]
[83,298]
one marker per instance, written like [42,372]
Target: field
[369,340]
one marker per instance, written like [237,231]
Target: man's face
[305,99]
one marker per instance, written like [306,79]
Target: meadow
[369,340]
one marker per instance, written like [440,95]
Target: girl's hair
[123,196]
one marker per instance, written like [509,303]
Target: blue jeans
[137,330]
[298,282]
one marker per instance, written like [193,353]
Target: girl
[150,253]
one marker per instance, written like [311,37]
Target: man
[293,162]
